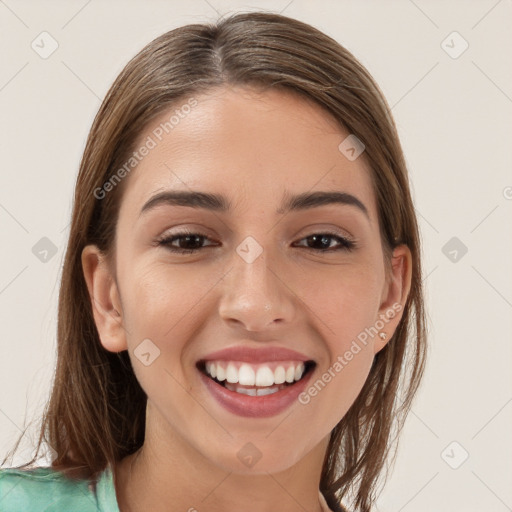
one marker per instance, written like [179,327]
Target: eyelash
[345,243]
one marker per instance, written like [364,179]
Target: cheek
[346,306]
[161,298]
[340,380]
[345,300]
[167,305]
[163,307]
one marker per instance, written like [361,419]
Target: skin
[252,147]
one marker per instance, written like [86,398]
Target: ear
[105,299]
[394,296]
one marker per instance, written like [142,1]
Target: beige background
[455,122]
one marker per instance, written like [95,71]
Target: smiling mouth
[256,379]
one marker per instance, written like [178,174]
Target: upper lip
[256,355]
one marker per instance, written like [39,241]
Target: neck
[167,471]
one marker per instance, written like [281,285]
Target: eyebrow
[220,203]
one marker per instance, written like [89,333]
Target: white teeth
[253,391]
[231,373]
[299,370]
[279,375]
[267,391]
[221,373]
[246,375]
[264,376]
[241,390]
[211,368]
[260,375]
[290,374]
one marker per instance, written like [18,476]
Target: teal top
[48,490]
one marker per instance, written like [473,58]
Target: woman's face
[254,282]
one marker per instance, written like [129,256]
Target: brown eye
[186,242]
[322,242]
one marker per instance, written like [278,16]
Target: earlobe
[396,292]
[105,300]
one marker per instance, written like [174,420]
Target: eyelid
[345,243]
[315,229]
[182,233]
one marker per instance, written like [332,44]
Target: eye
[323,242]
[187,242]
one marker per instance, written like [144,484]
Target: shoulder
[43,489]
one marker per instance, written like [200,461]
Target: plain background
[454,120]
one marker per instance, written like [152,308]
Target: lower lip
[256,406]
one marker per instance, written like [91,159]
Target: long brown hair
[96,412]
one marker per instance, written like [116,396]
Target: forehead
[249,145]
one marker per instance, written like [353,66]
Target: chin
[256,458]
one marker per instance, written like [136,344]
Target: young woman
[241,319]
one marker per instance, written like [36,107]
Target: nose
[255,296]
